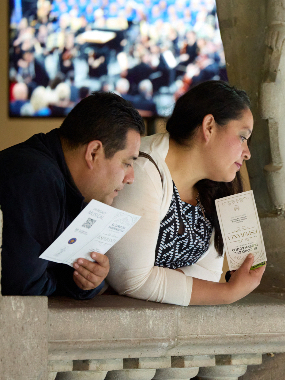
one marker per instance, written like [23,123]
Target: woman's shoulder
[156,145]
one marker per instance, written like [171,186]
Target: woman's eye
[243,139]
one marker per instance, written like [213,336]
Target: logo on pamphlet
[72,241]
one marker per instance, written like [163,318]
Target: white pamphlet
[240,229]
[97,228]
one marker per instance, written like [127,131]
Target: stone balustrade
[119,338]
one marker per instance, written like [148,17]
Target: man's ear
[93,150]
[208,127]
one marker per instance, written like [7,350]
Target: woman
[172,254]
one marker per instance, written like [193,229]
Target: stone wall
[23,336]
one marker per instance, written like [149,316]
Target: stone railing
[119,338]
[113,337]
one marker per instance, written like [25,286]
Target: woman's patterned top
[175,250]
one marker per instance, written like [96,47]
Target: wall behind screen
[13,131]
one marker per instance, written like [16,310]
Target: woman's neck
[184,164]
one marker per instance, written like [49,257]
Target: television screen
[148,51]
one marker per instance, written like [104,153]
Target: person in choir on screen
[20,98]
[122,89]
[143,102]
[32,70]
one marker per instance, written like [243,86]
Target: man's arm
[33,217]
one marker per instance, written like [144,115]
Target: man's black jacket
[39,200]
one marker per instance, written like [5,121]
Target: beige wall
[13,131]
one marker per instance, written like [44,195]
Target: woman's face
[229,148]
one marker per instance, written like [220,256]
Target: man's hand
[88,275]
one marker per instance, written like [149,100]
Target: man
[47,180]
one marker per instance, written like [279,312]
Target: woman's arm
[132,271]
[242,282]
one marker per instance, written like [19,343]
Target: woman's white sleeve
[209,267]
[132,271]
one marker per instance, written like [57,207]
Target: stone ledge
[119,327]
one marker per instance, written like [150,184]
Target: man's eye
[128,165]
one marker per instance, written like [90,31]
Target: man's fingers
[91,271]
[88,275]
[82,282]
[100,259]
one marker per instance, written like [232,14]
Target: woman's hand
[244,280]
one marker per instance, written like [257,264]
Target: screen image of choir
[149,52]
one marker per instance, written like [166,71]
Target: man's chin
[109,200]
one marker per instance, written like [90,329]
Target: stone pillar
[253,33]
[272,89]
[243,31]
[23,335]
[226,372]
[131,374]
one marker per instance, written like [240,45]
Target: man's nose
[130,176]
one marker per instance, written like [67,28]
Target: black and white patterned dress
[174,250]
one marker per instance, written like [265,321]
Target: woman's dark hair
[225,103]
[102,116]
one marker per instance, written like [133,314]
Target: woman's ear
[93,150]
[208,127]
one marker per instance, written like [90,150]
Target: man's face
[109,175]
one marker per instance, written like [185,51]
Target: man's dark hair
[102,116]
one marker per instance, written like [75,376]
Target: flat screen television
[148,51]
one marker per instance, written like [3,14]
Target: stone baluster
[131,374]
[227,372]
[184,367]
[176,373]
[55,366]
[140,368]
[229,367]
[82,375]
[85,369]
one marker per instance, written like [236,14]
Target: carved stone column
[131,374]
[226,372]
[272,88]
